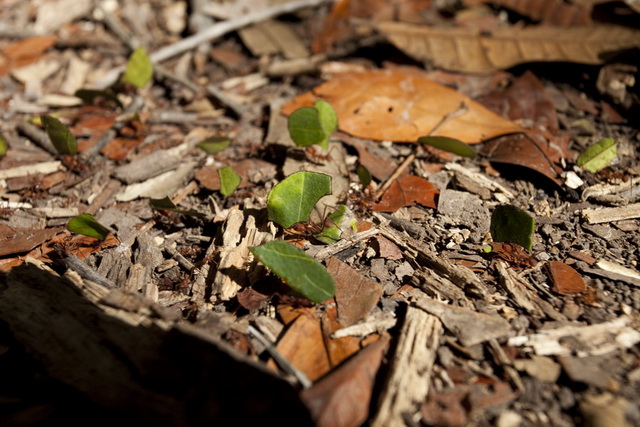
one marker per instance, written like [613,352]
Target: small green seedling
[229,181]
[293,199]
[60,135]
[513,225]
[599,155]
[302,273]
[167,205]
[86,225]
[313,125]
[139,68]
[214,144]
[450,145]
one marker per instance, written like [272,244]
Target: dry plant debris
[159,130]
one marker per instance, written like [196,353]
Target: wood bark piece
[591,340]
[598,216]
[411,366]
[160,186]
[469,50]
[272,37]
[519,290]
[130,356]
[38,168]
[468,326]
[240,233]
[462,277]
[441,287]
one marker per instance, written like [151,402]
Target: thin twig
[74,263]
[280,359]
[213,32]
[411,157]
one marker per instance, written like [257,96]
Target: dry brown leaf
[303,346]
[566,280]
[18,240]
[24,52]
[469,50]
[338,349]
[521,150]
[407,190]
[342,398]
[356,295]
[402,105]
[554,12]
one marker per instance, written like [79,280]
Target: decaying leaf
[470,50]
[24,52]
[406,191]
[342,398]
[553,12]
[402,105]
[521,150]
[565,279]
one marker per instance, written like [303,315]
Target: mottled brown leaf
[565,280]
[407,190]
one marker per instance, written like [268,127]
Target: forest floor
[433,321]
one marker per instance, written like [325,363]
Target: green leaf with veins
[302,273]
[292,200]
[599,155]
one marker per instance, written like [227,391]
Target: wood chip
[600,215]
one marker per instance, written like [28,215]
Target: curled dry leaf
[566,280]
[407,190]
[402,105]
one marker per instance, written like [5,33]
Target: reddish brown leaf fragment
[526,99]
[338,349]
[565,280]
[356,295]
[251,171]
[303,345]
[251,299]
[407,191]
[24,52]
[342,398]
[512,253]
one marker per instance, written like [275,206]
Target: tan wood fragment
[519,290]
[458,275]
[410,375]
[271,37]
[240,233]
[598,216]
[443,288]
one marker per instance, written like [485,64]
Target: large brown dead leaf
[407,190]
[470,50]
[402,105]
[554,12]
[19,240]
[342,398]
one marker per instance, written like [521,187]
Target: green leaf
[214,144]
[305,127]
[599,155]
[292,200]
[3,145]
[139,68]
[167,205]
[328,121]
[512,225]
[302,273]
[87,225]
[340,223]
[364,175]
[229,181]
[450,145]
[59,134]
[101,97]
